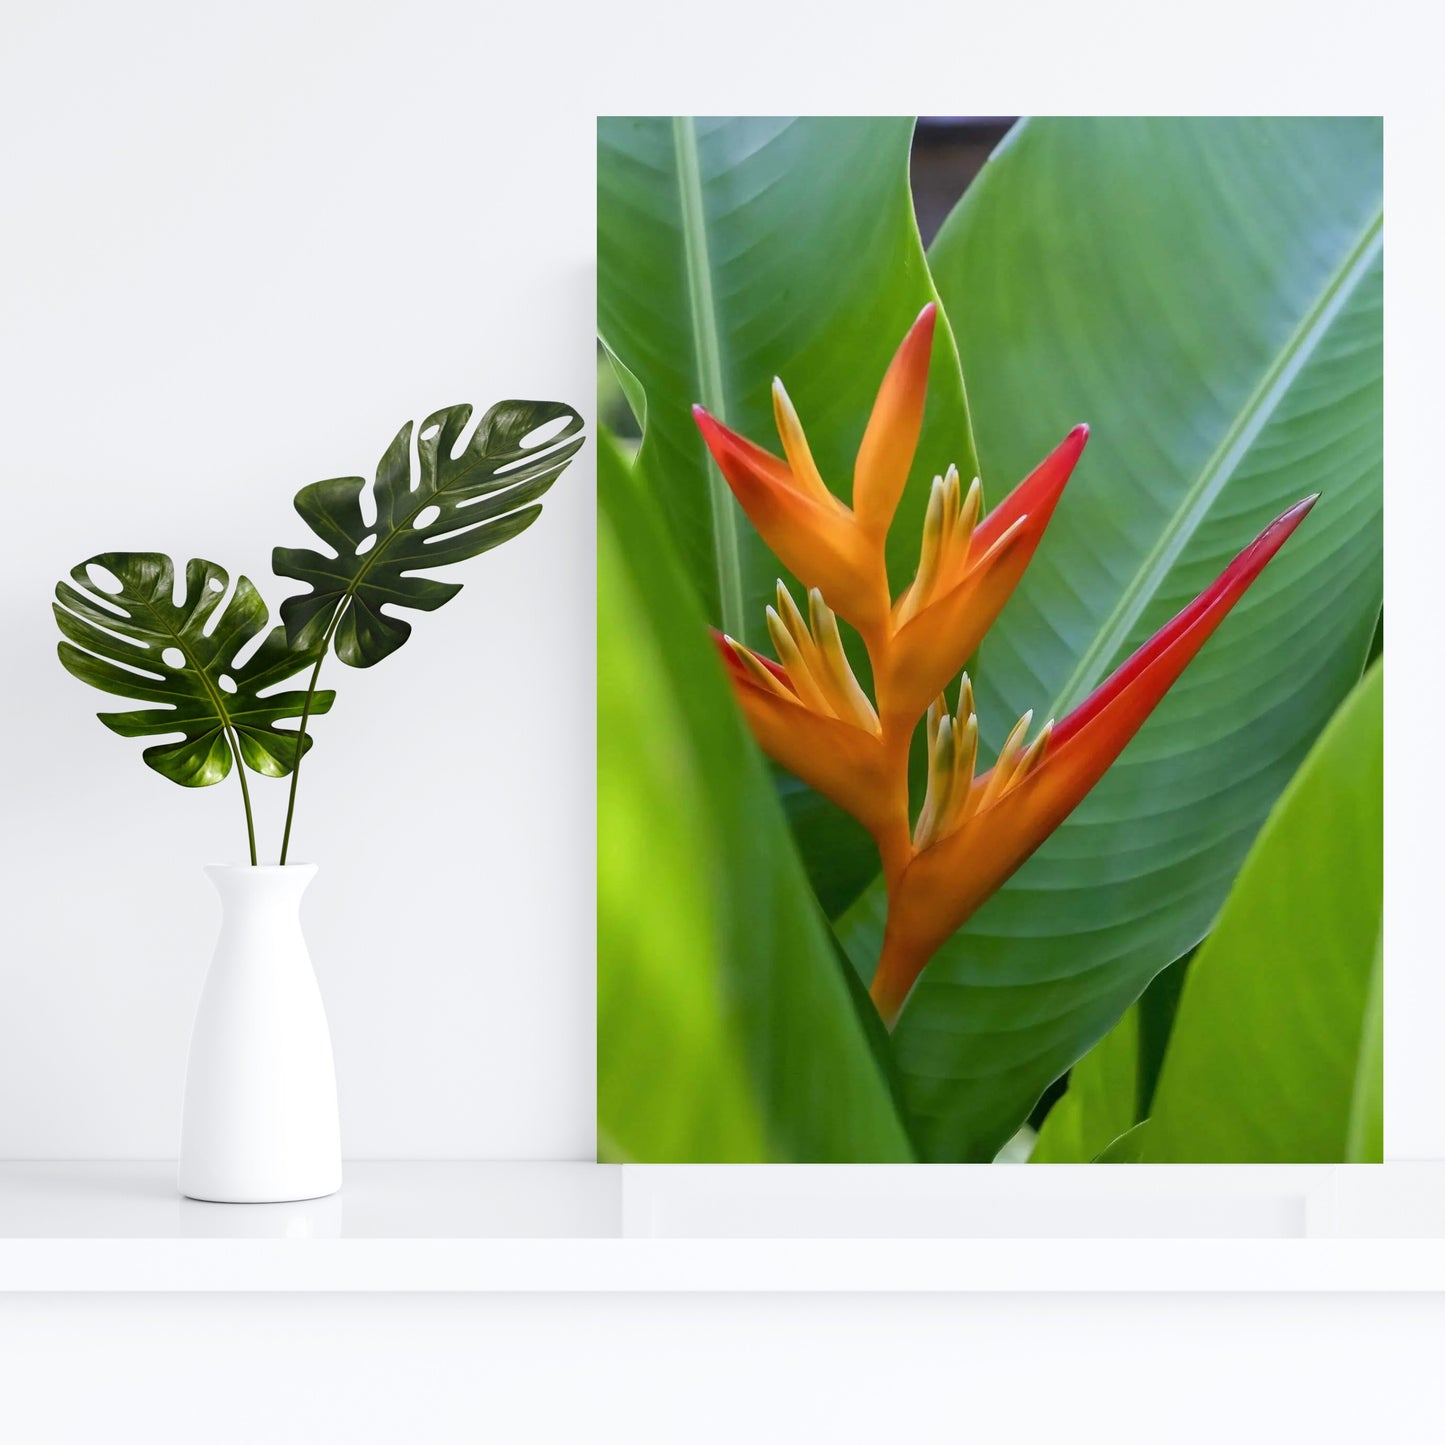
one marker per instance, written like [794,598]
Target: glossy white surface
[218,288]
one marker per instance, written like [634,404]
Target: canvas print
[990,639]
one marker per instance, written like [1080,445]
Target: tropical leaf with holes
[447,507]
[138,642]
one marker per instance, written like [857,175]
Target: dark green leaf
[117,642]
[839,856]
[1157,1010]
[443,510]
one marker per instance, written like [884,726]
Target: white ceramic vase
[260,1123]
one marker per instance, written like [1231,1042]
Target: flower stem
[895,841]
[894,980]
[895,850]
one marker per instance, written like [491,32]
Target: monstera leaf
[448,508]
[137,642]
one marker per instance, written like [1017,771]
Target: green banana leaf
[1365,1143]
[1275,1056]
[1207,295]
[725,1021]
[137,642]
[448,508]
[1128,1148]
[733,250]
[1111,1088]
[1100,1103]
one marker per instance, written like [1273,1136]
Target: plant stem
[245,792]
[305,718]
[233,739]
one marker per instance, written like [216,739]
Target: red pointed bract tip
[736,456]
[812,533]
[920,334]
[1151,671]
[1038,494]
[725,645]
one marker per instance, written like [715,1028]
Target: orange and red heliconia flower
[808,711]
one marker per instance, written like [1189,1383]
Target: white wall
[241,244]
[240,249]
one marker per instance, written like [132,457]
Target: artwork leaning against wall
[990,640]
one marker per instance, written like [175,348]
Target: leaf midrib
[217,697]
[707,354]
[1220,467]
[226,720]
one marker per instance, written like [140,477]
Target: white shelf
[428,1200]
[473,1227]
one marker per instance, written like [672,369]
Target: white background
[239,254]
[241,246]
